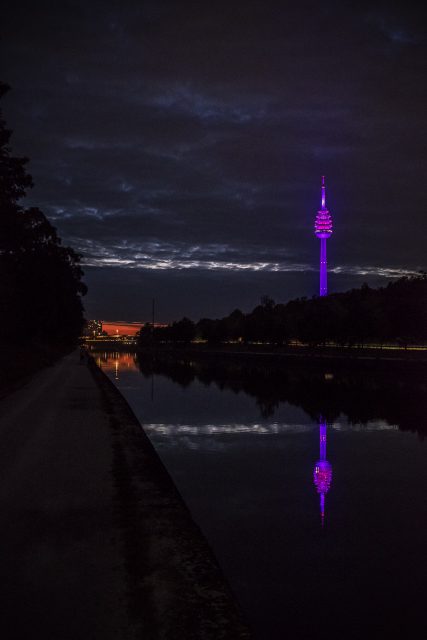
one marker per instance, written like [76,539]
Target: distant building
[93,328]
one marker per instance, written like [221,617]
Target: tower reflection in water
[322,474]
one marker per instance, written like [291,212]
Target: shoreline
[296,356]
[167,557]
[386,353]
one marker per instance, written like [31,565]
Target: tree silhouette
[40,279]
[396,313]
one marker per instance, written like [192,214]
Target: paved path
[87,550]
[61,567]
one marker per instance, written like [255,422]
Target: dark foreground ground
[95,541]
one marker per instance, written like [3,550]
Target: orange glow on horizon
[121,328]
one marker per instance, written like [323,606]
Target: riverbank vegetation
[395,314]
[41,311]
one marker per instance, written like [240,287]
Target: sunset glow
[121,328]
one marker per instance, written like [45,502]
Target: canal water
[311,487]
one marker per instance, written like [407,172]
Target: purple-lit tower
[322,474]
[323,229]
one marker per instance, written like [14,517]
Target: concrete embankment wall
[176,589]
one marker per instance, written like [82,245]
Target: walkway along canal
[95,540]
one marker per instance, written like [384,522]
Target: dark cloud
[179,146]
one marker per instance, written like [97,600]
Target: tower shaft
[322,475]
[323,268]
[322,434]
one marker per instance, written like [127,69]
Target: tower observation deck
[323,230]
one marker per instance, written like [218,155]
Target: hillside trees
[396,313]
[40,279]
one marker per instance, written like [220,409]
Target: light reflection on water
[313,544]
[272,428]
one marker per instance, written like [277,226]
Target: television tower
[322,474]
[323,229]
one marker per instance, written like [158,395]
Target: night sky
[180,146]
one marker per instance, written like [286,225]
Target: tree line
[396,313]
[40,279]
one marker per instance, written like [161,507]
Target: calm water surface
[311,489]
